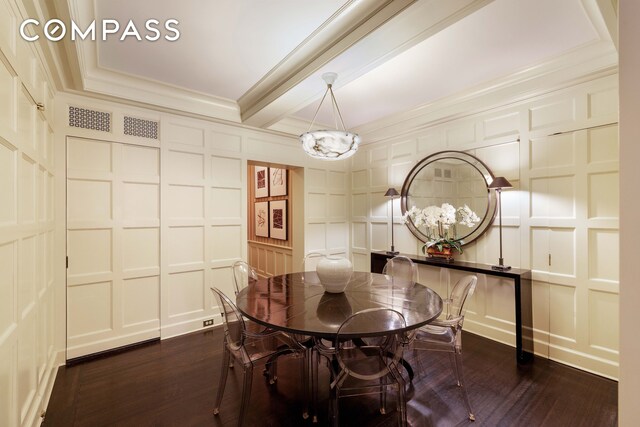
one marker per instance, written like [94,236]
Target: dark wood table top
[297,303]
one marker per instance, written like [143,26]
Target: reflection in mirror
[452,177]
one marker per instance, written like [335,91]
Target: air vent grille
[89,119]
[140,127]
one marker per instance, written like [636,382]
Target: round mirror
[457,179]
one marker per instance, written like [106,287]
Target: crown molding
[120,85]
[585,63]
[77,70]
[604,18]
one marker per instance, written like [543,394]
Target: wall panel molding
[560,220]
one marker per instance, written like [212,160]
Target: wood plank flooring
[174,382]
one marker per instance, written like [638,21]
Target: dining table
[297,303]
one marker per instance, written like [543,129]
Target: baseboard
[187,326]
[43,393]
[567,356]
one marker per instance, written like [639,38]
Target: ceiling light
[330,144]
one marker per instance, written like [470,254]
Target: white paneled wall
[560,220]
[113,245]
[27,293]
[203,203]
[326,212]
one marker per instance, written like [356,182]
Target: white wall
[564,205]
[203,193]
[28,357]
[629,386]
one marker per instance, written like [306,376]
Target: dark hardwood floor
[174,382]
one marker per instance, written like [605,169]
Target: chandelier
[330,144]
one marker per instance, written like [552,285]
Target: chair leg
[383,397]
[223,379]
[246,393]
[305,365]
[454,366]
[334,417]
[315,363]
[401,402]
[458,359]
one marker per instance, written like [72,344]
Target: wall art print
[261,213]
[277,182]
[261,182]
[278,220]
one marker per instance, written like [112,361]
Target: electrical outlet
[207,323]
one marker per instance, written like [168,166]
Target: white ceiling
[225,46]
[260,61]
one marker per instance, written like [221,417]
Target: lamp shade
[500,182]
[330,144]
[391,192]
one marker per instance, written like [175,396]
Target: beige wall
[564,208]
[28,357]
[629,387]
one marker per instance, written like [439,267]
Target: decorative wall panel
[560,220]
[180,134]
[112,243]
[603,145]
[27,352]
[8,282]
[8,157]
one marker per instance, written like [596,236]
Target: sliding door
[113,245]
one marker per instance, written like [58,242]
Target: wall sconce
[500,183]
[392,193]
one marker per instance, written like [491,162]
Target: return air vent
[140,127]
[89,119]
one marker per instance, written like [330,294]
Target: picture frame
[278,219]
[261,181]
[261,219]
[277,182]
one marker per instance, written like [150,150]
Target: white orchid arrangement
[440,223]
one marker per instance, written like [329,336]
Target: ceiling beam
[352,22]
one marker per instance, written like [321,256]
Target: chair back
[243,274]
[360,349]
[309,257]
[401,267]
[461,292]
[234,327]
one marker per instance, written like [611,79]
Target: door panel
[113,245]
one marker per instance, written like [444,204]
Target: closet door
[113,245]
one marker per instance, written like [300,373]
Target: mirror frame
[474,162]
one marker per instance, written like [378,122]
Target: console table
[523,293]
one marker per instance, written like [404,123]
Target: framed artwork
[261,213]
[261,182]
[277,182]
[278,220]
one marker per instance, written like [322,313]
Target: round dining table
[297,303]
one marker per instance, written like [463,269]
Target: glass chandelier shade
[330,144]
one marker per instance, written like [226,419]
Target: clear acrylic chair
[362,363]
[310,257]
[243,274]
[445,334]
[401,267]
[246,349]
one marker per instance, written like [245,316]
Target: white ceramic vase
[334,273]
